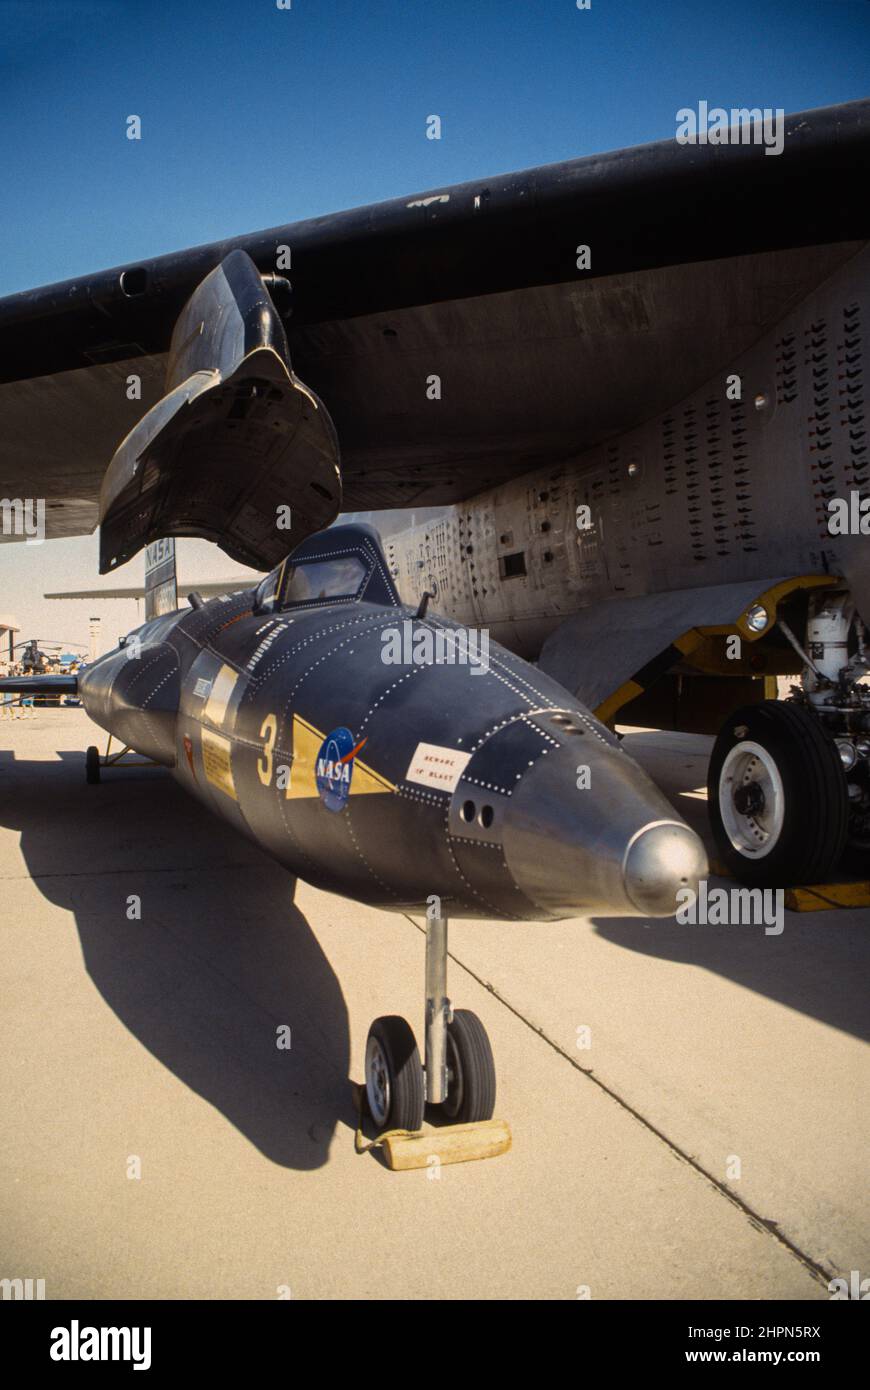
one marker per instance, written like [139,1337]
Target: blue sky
[254,116]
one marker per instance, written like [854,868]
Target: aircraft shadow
[818,965]
[220,959]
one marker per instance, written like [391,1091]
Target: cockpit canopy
[344,564]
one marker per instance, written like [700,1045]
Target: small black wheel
[394,1075]
[777,796]
[470,1071]
[92,765]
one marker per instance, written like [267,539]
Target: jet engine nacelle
[237,447]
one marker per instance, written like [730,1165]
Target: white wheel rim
[377,1081]
[752,833]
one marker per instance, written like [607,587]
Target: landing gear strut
[95,761]
[459,1075]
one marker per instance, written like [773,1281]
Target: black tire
[811,835]
[471,1071]
[92,765]
[394,1088]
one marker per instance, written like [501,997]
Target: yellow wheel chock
[404,1148]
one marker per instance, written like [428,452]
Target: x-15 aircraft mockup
[445,787]
[635,386]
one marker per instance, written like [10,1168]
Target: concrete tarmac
[688,1103]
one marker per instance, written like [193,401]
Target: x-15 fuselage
[477,780]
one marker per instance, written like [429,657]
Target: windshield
[323,579]
[267,591]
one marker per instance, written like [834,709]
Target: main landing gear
[459,1075]
[778,798]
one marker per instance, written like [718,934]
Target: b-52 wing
[455,339]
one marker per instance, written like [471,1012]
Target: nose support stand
[438,1010]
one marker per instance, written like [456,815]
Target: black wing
[695,251]
[39,685]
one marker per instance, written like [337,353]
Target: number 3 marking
[268,731]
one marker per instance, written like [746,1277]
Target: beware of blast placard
[434,766]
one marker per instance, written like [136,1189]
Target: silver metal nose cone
[661,859]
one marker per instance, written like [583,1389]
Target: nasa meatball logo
[334,771]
